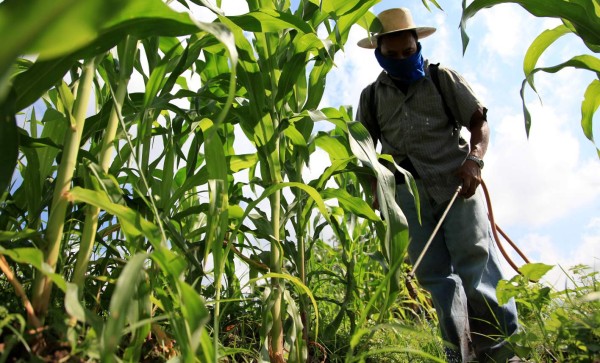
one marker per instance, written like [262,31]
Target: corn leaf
[396,239]
[218,207]
[301,287]
[75,309]
[585,62]
[139,18]
[35,258]
[538,46]
[270,20]
[9,145]
[241,161]
[194,313]
[589,106]
[40,27]
[351,204]
[312,193]
[333,146]
[157,78]
[132,222]
[125,290]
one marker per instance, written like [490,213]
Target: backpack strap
[434,73]
[373,112]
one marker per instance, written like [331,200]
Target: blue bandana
[406,70]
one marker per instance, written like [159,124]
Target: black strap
[434,73]
[373,113]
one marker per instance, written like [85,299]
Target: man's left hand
[470,173]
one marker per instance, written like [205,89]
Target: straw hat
[392,21]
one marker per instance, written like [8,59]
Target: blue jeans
[461,271]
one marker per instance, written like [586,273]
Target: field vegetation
[134,227]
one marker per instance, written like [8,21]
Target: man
[404,110]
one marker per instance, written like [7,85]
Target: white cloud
[319,161]
[507,29]
[542,248]
[234,7]
[439,46]
[543,179]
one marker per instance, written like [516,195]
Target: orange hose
[495,230]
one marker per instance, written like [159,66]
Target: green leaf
[534,271]
[138,18]
[336,149]
[295,137]
[539,45]
[72,304]
[589,106]
[585,62]
[76,310]
[105,182]
[132,222]
[302,288]
[270,20]
[235,212]
[396,239]
[124,292]
[15,235]
[172,264]
[194,313]
[41,76]
[35,258]
[351,204]
[312,192]
[9,145]
[157,78]
[241,161]
[68,100]
[227,38]
[292,69]
[316,84]
[349,14]
[55,127]
[42,26]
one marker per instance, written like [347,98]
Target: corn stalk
[106,156]
[56,222]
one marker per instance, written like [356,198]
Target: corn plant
[121,214]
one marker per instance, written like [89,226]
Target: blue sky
[545,189]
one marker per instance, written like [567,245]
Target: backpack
[434,73]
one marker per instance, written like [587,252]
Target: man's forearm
[480,134]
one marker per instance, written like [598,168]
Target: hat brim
[371,42]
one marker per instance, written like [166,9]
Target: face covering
[407,70]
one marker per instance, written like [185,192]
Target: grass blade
[126,288]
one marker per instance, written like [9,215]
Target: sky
[545,188]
